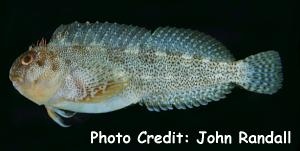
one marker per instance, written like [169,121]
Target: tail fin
[262,73]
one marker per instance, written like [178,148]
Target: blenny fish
[103,67]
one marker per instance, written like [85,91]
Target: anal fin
[186,99]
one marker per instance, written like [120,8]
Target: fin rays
[188,99]
[58,115]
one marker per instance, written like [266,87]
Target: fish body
[102,67]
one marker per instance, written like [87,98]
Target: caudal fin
[262,73]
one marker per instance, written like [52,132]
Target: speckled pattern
[102,67]
[168,68]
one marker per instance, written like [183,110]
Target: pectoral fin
[89,85]
[111,89]
[89,92]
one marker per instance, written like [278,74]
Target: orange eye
[26,60]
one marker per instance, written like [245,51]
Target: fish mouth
[14,76]
[15,79]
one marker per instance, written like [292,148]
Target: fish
[103,67]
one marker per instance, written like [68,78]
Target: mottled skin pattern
[102,67]
[153,74]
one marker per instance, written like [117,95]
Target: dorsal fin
[185,41]
[166,39]
[111,35]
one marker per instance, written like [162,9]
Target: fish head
[36,74]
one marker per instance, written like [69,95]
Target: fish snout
[15,77]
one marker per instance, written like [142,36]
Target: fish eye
[27,59]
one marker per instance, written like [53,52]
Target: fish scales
[102,67]
[165,79]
